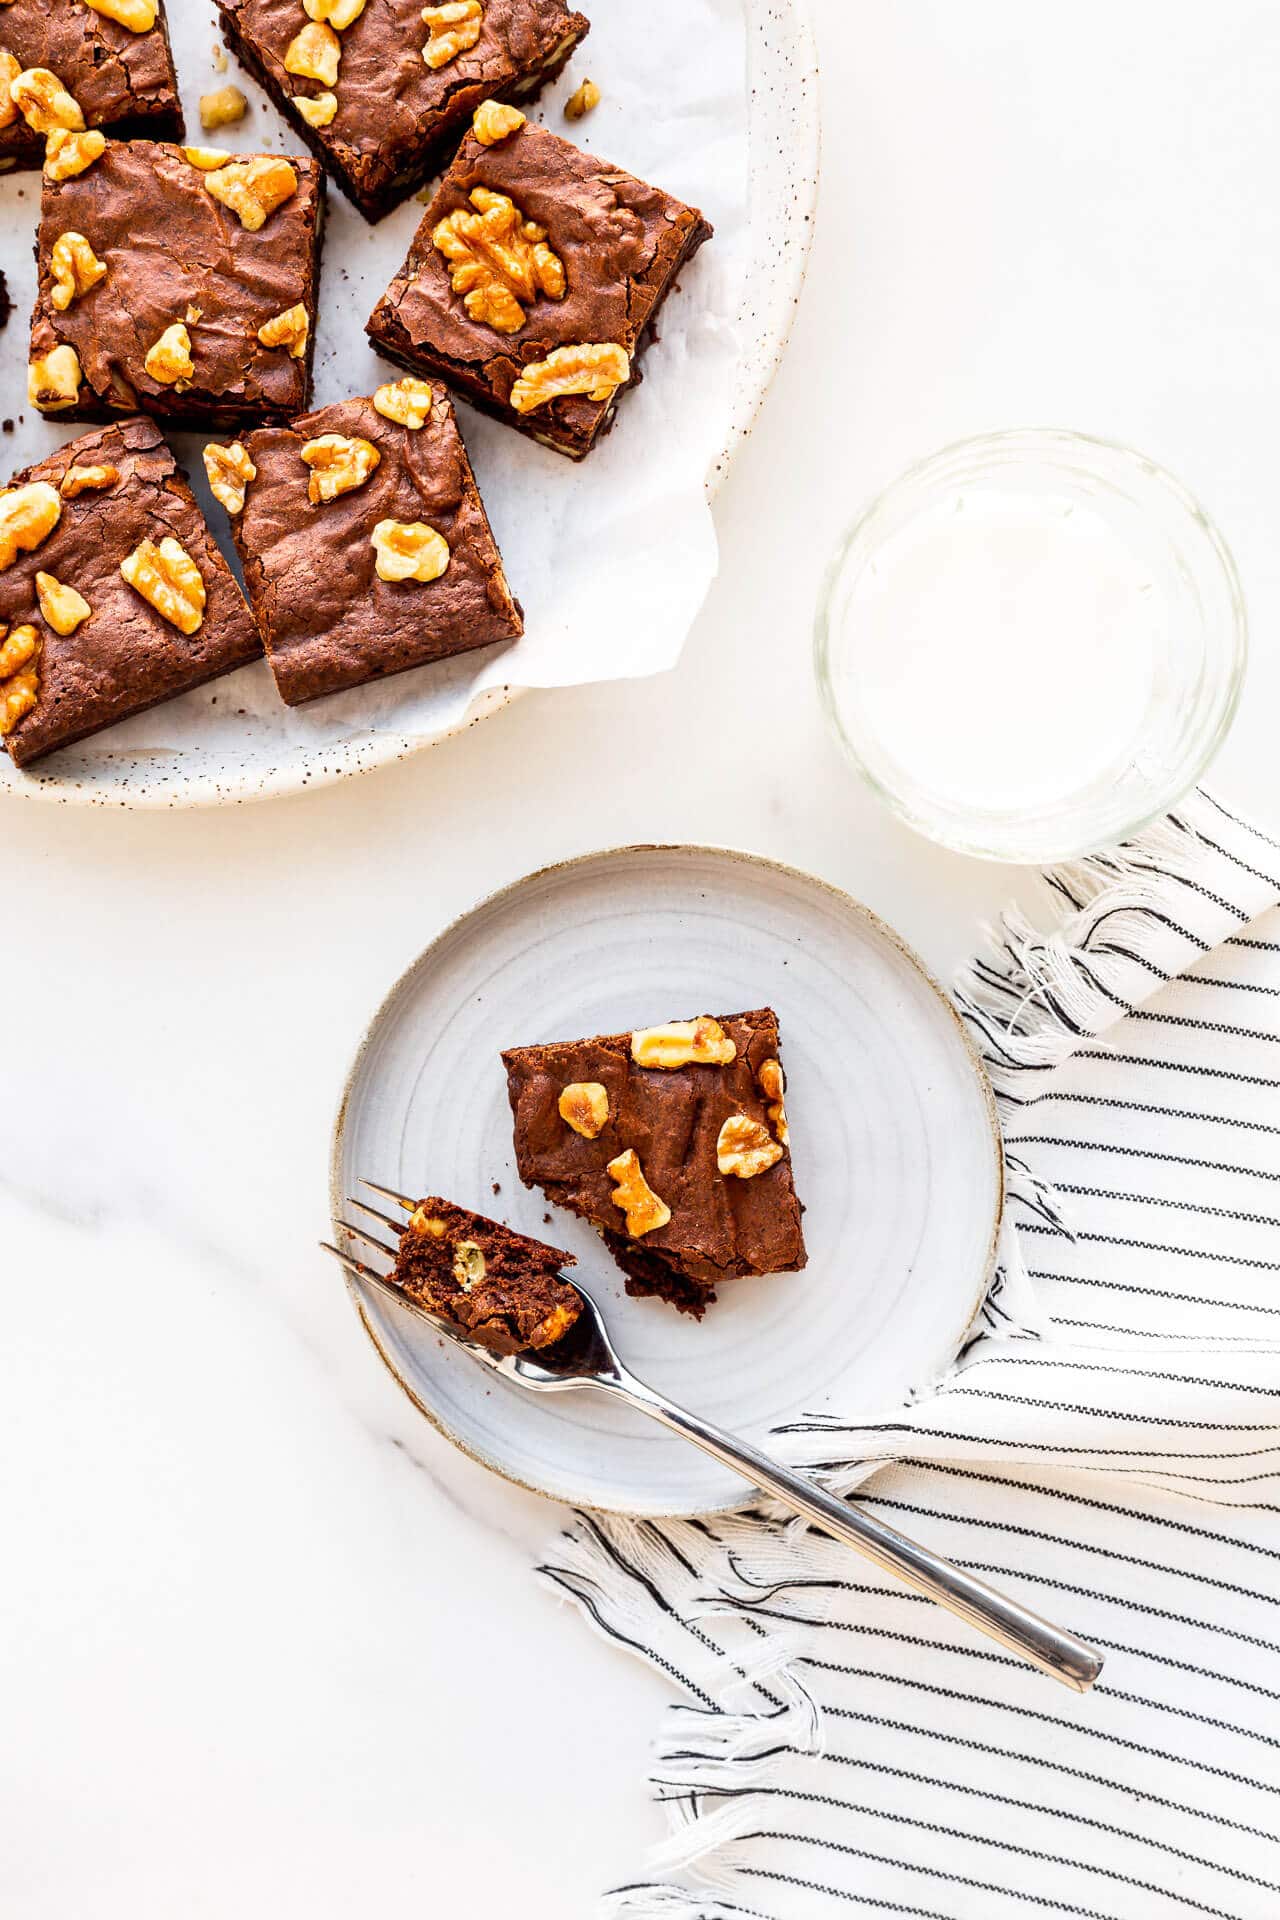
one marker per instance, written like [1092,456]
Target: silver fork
[589,1361]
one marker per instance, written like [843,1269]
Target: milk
[999,651]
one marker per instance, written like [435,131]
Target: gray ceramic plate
[893,1135]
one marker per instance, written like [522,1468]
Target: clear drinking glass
[1031,644]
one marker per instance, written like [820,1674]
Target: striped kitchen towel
[1107,1447]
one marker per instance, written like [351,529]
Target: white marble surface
[259,1624]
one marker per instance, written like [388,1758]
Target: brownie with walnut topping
[111,56]
[500,1288]
[673,1142]
[365,542]
[113,595]
[534,280]
[382,92]
[177,281]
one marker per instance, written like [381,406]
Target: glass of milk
[1032,644]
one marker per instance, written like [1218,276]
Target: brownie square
[534,279]
[498,1287]
[390,119]
[684,1167]
[333,613]
[122,81]
[166,308]
[67,528]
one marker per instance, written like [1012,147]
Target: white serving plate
[233,742]
[893,1129]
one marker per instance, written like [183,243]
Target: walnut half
[230,470]
[314,53]
[74,268]
[78,480]
[451,30]
[494,120]
[772,1085]
[683,1043]
[288,329]
[139,16]
[44,102]
[644,1210]
[168,359]
[222,108]
[338,465]
[168,578]
[498,261]
[19,675]
[53,380]
[63,608]
[744,1148]
[253,189]
[67,152]
[406,401]
[409,551]
[28,515]
[584,1106]
[596,369]
[340,14]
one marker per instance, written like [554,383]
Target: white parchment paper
[612,558]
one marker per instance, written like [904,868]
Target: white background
[270,1647]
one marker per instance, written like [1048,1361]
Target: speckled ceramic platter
[893,1131]
[231,742]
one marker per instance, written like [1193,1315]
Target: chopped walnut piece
[253,189]
[468,1264]
[139,16]
[409,551]
[314,53]
[208,159]
[74,268]
[553,1328]
[683,1043]
[338,465]
[9,71]
[494,120]
[406,401]
[317,111]
[170,580]
[584,1106]
[19,675]
[287,329]
[644,1210]
[498,261]
[745,1148]
[427,1223]
[53,381]
[230,470]
[222,108]
[169,360]
[17,648]
[596,370]
[451,30]
[78,480]
[28,515]
[63,608]
[44,102]
[67,152]
[339,13]
[773,1086]
[582,101]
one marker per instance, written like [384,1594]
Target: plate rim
[495,898]
[781,241]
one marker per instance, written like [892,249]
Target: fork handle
[1024,1633]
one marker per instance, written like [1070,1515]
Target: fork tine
[367,1274]
[389,1193]
[358,1233]
[397,1226]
